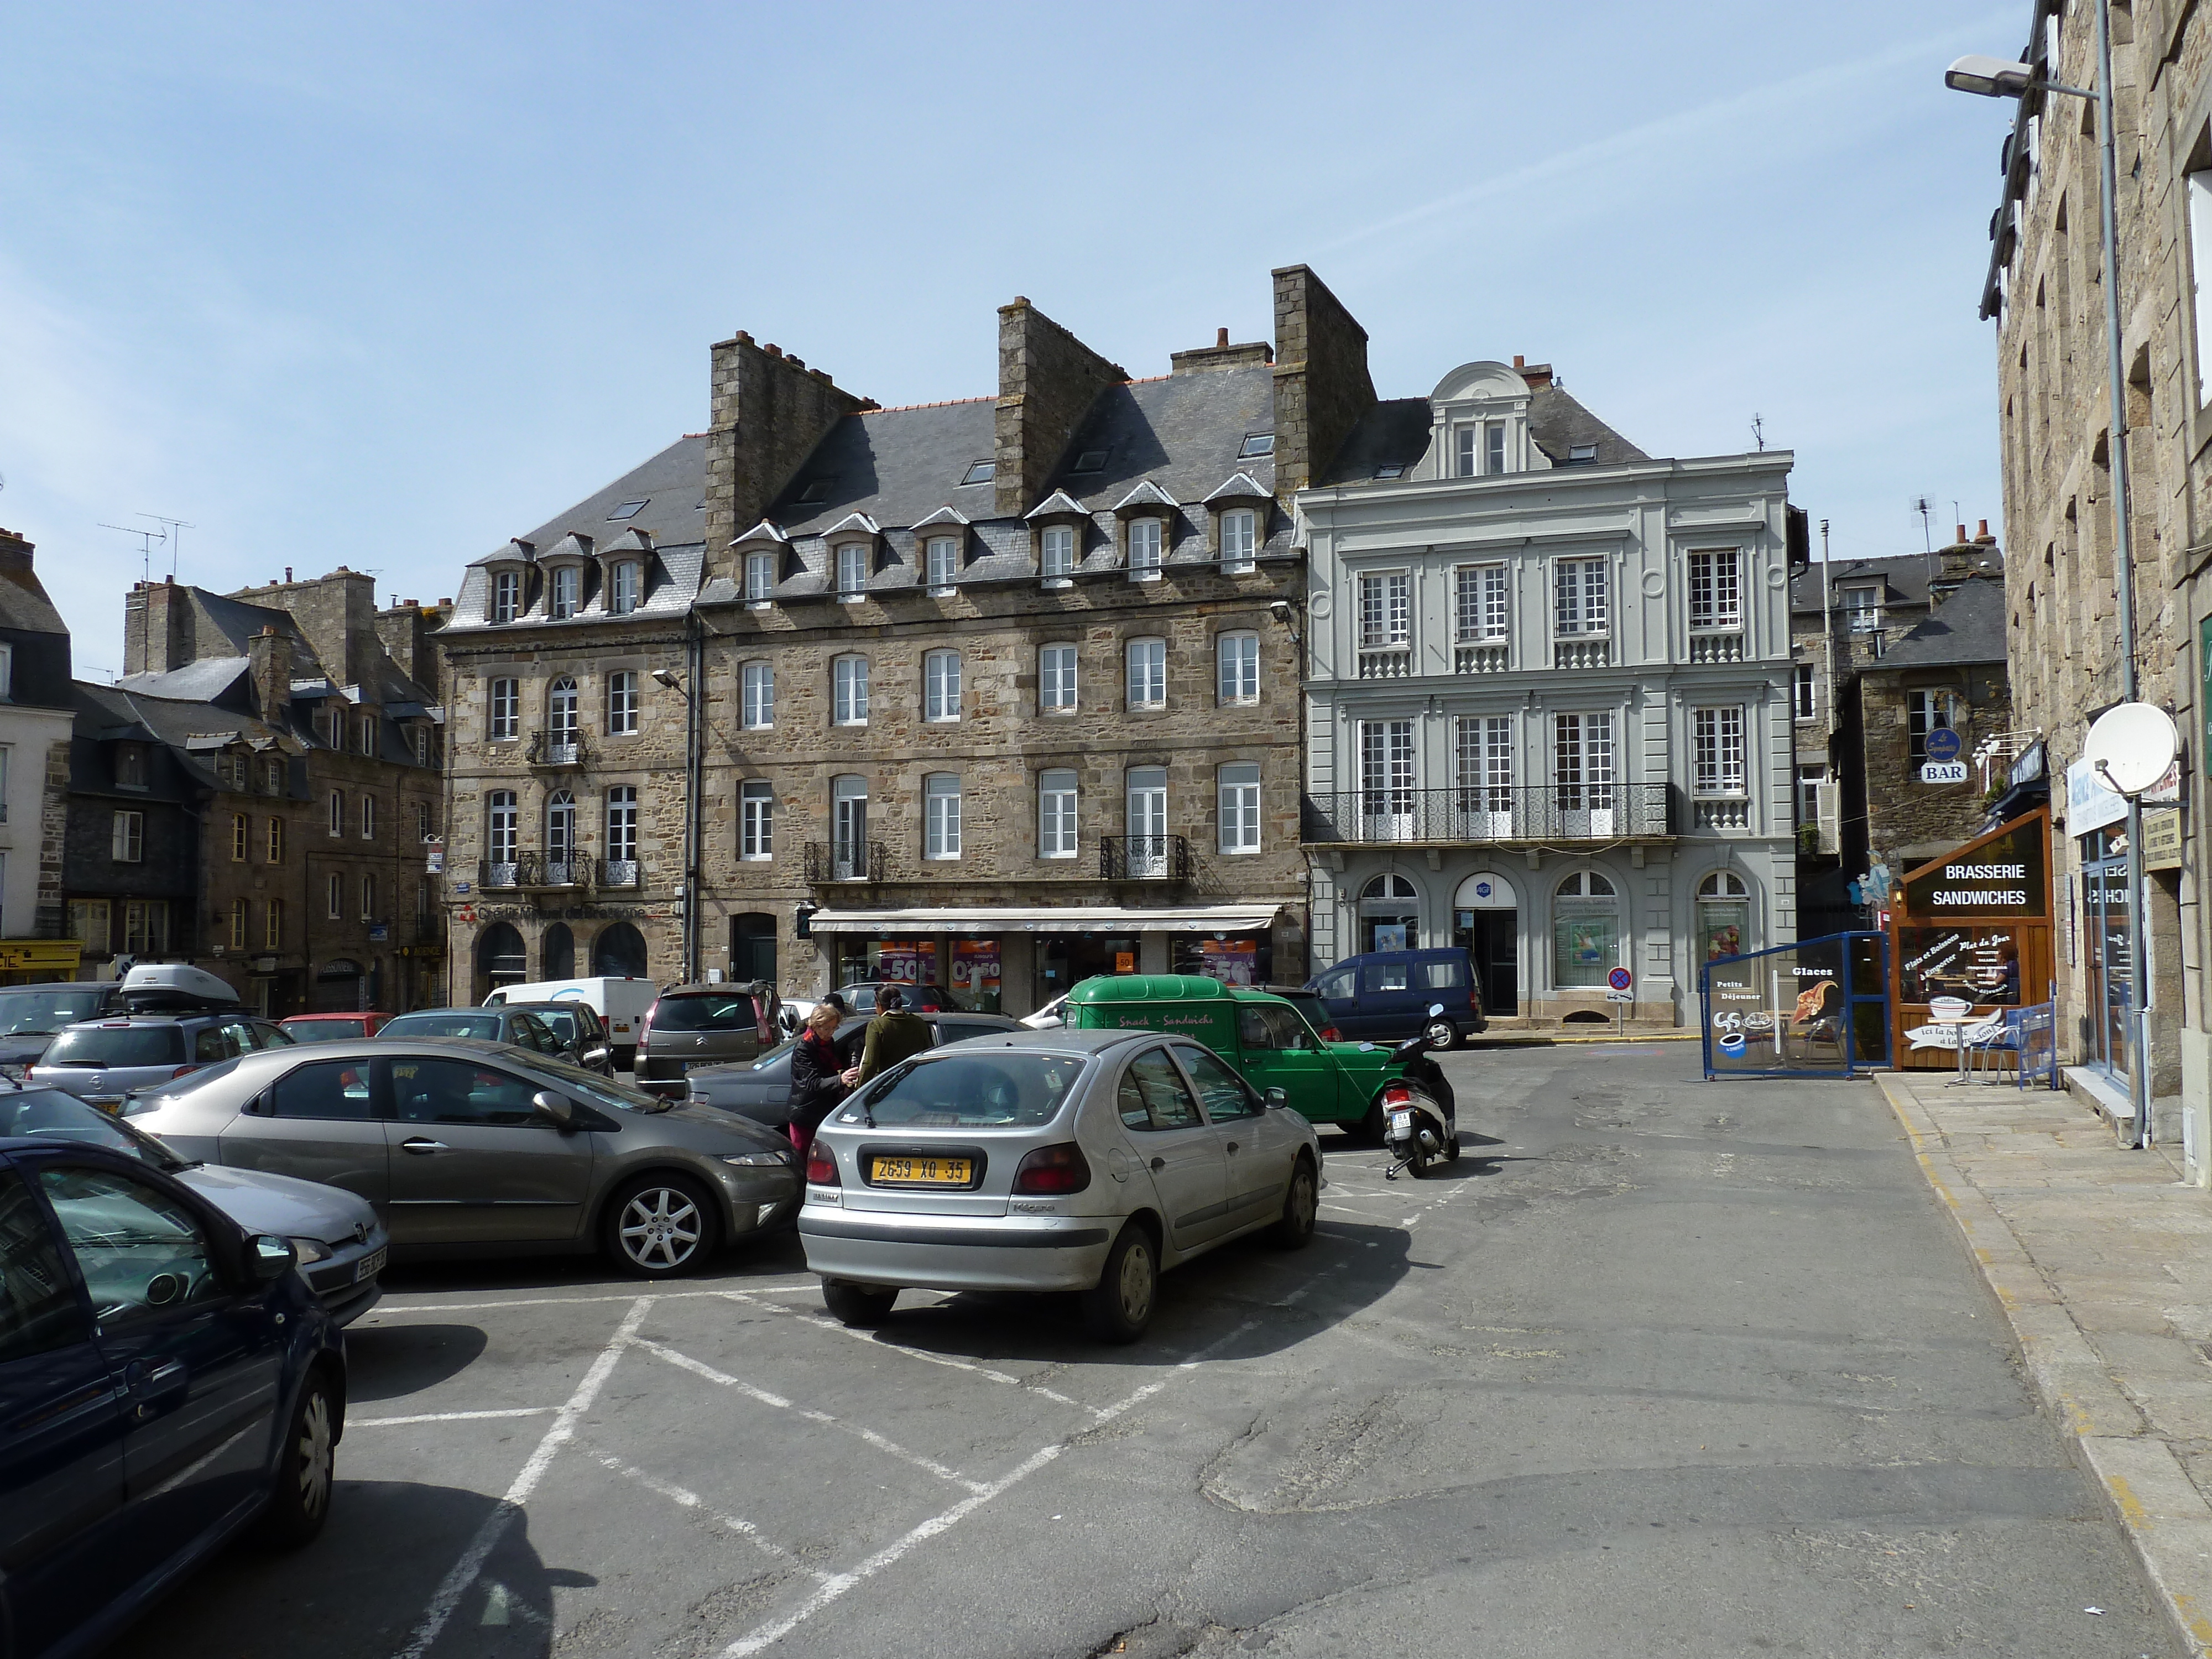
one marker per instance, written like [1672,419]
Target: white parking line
[570,1301]
[691,1500]
[699,1368]
[447,1417]
[488,1533]
[880,1341]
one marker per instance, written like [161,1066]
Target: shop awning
[1049,919]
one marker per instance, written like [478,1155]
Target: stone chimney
[16,558]
[1966,557]
[1322,387]
[270,654]
[1048,380]
[157,630]
[1220,355]
[769,413]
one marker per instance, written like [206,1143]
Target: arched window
[500,959]
[1724,915]
[557,953]
[1585,931]
[560,838]
[500,838]
[1389,914]
[619,952]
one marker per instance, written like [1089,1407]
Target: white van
[621,1003]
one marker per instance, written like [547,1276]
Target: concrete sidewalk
[2103,1261]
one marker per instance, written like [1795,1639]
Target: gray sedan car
[1086,1161]
[468,1147]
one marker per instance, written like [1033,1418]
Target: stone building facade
[992,693]
[34,747]
[256,794]
[1548,688]
[2045,290]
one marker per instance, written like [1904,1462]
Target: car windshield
[955,1091]
[461,1025]
[704,1010]
[27,1012]
[326,1030]
[50,1115]
[117,1045]
[152,1100]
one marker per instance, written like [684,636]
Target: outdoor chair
[1992,1038]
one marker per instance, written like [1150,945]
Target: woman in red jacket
[817,1081]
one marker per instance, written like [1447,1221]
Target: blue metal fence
[1817,1008]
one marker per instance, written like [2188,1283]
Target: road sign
[1942,744]
[1943,771]
[1621,996]
[1620,979]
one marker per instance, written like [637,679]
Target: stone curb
[2166,1518]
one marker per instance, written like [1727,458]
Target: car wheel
[661,1227]
[861,1306]
[1442,1034]
[1120,1306]
[1294,1230]
[306,1465]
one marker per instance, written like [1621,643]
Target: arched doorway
[338,989]
[1723,916]
[1389,914]
[1487,925]
[619,952]
[500,959]
[752,946]
[557,953]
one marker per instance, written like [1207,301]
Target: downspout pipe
[693,721]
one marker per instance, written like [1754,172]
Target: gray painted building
[1548,697]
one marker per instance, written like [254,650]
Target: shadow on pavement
[779,1253]
[358,1591]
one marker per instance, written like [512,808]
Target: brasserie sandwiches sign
[2001,876]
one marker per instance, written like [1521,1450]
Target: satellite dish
[2131,747]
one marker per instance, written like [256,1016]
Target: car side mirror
[269,1258]
[554,1109]
[1279,1099]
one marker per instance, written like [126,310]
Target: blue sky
[381,286]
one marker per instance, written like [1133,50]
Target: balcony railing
[1144,858]
[621,873]
[560,746]
[844,861]
[1551,812]
[534,872]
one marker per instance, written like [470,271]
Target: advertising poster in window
[975,973]
[1723,927]
[1390,936]
[1231,961]
[907,962]
[1980,964]
[1585,941]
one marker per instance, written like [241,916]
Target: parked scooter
[1417,1125]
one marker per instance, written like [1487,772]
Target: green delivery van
[1266,1039]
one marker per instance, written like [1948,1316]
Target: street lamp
[1998,77]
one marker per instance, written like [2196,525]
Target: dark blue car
[167,1380]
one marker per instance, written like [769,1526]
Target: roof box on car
[166,987]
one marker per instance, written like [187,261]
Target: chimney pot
[796,362]
[445,602]
[287,573]
[1520,361]
[1982,535]
[1220,339]
[772,351]
[1962,534]
[744,338]
[1021,299]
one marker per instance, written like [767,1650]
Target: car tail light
[1397,1094]
[1473,998]
[645,1025]
[1330,1034]
[1052,1171]
[182,1071]
[821,1167]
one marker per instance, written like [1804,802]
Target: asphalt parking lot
[1689,1368]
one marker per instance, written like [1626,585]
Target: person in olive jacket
[818,1083]
[894,1034]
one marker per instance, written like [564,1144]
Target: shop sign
[1943,771]
[19,955]
[2161,840]
[434,858]
[2089,804]
[2002,876]
[1235,961]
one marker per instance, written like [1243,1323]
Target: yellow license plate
[922,1172]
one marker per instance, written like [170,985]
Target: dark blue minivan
[167,1380]
[1384,996]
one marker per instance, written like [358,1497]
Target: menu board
[1978,965]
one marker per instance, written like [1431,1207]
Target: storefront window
[1389,914]
[1585,931]
[1980,964]
[1250,960]
[975,973]
[1723,916]
[2110,947]
[900,961]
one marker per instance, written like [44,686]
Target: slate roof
[1905,577]
[1395,433]
[1967,627]
[672,485]
[897,466]
[1558,423]
[239,620]
[196,682]
[25,608]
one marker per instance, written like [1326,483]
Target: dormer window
[506,595]
[628,510]
[1862,608]
[1239,538]
[1481,449]
[567,583]
[1239,521]
[1581,454]
[1056,550]
[1255,446]
[760,576]
[624,584]
[130,766]
[979,472]
[1145,539]
[941,558]
[853,571]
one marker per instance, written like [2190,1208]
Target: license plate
[921,1172]
[1400,1122]
[110,1104]
[370,1265]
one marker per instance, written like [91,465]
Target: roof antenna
[170,526]
[146,540]
[1758,431]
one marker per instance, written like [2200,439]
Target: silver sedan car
[1084,1161]
[468,1147]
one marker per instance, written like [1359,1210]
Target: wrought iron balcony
[528,872]
[622,873]
[557,746]
[1144,858]
[1477,816]
[844,861]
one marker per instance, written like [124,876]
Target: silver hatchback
[1084,1161]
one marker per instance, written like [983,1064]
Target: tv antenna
[146,539]
[1923,507]
[169,529]
[1759,430]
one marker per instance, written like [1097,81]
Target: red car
[333,1028]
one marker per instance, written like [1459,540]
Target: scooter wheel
[1418,1163]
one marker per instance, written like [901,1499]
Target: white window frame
[1805,692]
[1862,607]
[853,571]
[622,703]
[1716,589]
[502,827]
[568,583]
[503,711]
[625,587]
[1236,785]
[848,681]
[1058,688]
[1582,598]
[1922,706]
[506,595]
[942,554]
[2199,186]
[335,819]
[1466,450]
[756,821]
[1719,750]
[1493,449]
[1056,550]
[1386,610]
[941,800]
[1482,604]
[940,687]
[6,673]
[334,896]
[1146,657]
[1237,668]
[621,823]
[368,897]
[760,577]
[365,734]
[757,696]
[1059,802]
[369,817]
[1147,543]
[1585,759]
[127,839]
[1240,539]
